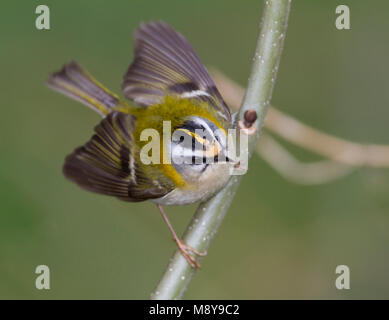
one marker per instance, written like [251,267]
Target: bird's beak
[221,156]
[212,150]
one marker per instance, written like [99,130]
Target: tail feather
[75,82]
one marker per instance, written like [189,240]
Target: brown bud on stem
[250,116]
[247,123]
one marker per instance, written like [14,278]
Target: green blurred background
[279,239]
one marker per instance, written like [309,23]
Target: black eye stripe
[200,130]
[203,130]
[192,126]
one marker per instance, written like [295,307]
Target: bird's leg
[185,250]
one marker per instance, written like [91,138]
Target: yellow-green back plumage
[175,110]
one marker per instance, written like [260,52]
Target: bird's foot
[188,253]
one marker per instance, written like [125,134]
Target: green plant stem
[210,214]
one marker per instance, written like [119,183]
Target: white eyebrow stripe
[205,125]
[195,93]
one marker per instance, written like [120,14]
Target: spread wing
[166,64]
[109,163]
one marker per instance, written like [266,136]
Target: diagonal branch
[210,214]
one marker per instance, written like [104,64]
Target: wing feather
[166,64]
[108,163]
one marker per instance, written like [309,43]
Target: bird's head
[199,149]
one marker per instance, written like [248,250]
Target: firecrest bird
[165,82]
